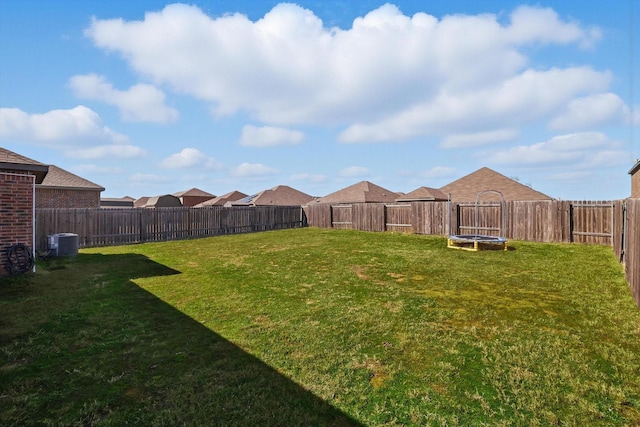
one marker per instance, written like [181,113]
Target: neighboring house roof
[116,202]
[165,201]
[362,192]
[221,200]
[140,202]
[635,168]
[15,162]
[117,199]
[423,194]
[59,178]
[194,192]
[466,189]
[281,195]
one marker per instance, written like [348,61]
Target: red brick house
[635,180]
[18,178]
[62,189]
[26,184]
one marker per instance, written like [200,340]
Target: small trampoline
[475,242]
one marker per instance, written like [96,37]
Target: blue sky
[151,97]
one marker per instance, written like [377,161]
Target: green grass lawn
[321,327]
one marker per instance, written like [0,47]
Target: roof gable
[466,189]
[60,178]
[16,162]
[281,195]
[232,196]
[194,192]
[361,192]
[635,168]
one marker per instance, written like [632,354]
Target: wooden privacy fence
[614,223]
[630,245]
[103,227]
[538,221]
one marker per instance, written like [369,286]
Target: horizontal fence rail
[614,223]
[105,227]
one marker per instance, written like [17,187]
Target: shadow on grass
[107,352]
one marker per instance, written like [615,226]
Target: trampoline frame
[475,242]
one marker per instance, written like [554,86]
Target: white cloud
[579,150]
[388,77]
[57,127]
[252,170]
[353,171]
[592,111]
[140,103]
[112,151]
[517,101]
[269,136]
[467,140]
[543,25]
[189,158]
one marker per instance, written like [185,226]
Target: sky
[151,97]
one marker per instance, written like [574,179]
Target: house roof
[194,192]
[635,168]
[281,195]
[126,202]
[221,200]
[362,192]
[16,162]
[140,202]
[423,194]
[165,201]
[62,179]
[117,199]
[466,189]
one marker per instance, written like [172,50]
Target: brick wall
[16,213]
[64,198]
[635,185]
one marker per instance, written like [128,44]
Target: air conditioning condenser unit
[63,244]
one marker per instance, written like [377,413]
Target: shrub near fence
[102,227]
